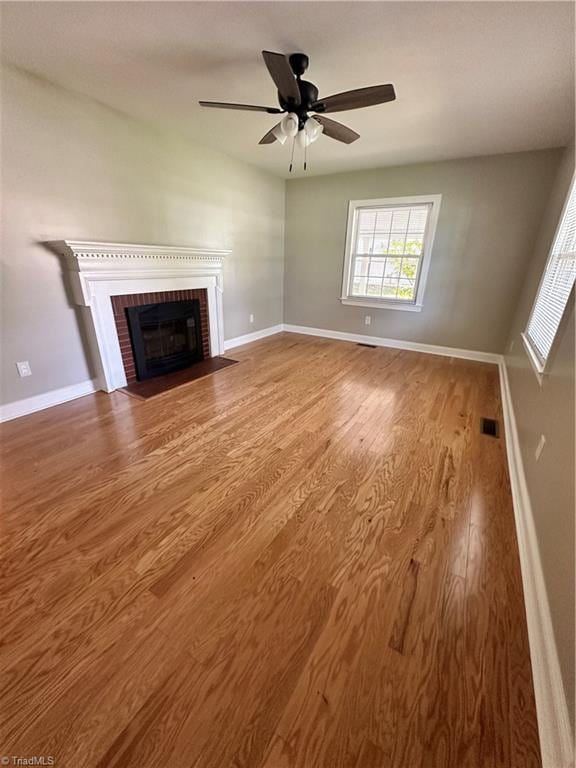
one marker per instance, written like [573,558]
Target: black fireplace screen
[165,337]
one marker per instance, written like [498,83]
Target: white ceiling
[471,78]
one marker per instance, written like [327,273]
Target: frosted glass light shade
[279,134]
[313,129]
[289,124]
[302,139]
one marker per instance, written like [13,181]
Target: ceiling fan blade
[281,72]
[269,137]
[361,97]
[336,130]
[248,107]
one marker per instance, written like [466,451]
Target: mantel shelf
[85,252]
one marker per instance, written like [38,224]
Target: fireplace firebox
[165,337]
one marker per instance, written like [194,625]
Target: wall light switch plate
[367,320]
[24,369]
[540,447]
[251,318]
[511,346]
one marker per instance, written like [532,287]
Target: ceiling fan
[297,98]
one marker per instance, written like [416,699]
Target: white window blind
[555,286]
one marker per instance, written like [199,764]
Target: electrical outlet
[24,369]
[540,447]
[367,320]
[251,318]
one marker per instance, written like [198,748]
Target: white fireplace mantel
[99,271]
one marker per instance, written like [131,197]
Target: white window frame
[424,265]
[541,367]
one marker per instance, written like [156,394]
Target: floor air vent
[489,427]
[370,346]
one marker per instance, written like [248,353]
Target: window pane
[406,289]
[396,244]
[377,267]
[414,244]
[392,268]
[381,243]
[361,267]
[400,218]
[384,220]
[389,289]
[359,286]
[367,221]
[409,268]
[374,287]
[418,218]
[364,243]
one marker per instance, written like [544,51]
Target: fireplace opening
[165,337]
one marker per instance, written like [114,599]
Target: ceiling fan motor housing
[308,96]
[299,63]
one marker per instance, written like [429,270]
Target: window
[555,287]
[388,246]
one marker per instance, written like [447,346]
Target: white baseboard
[554,726]
[64,394]
[58,396]
[413,346]
[238,341]
[46,400]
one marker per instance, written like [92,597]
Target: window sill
[365,302]
[534,362]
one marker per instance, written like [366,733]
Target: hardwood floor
[306,560]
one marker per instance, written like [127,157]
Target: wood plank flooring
[306,560]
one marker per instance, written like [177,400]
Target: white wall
[491,208]
[549,410]
[74,169]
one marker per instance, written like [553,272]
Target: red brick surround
[119,303]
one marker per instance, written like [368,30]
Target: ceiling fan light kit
[312,130]
[279,134]
[298,97]
[287,128]
[289,125]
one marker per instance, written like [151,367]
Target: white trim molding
[46,400]
[556,739]
[56,397]
[411,346]
[554,289]
[359,301]
[433,202]
[247,338]
[101,270]
[537,366]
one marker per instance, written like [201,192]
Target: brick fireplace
[122,302]
[109,278]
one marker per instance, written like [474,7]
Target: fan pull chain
[305,147]
[292,155]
